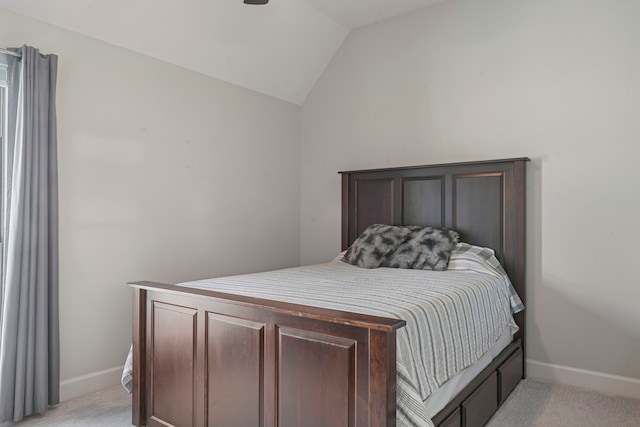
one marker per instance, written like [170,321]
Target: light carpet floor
[538,404]
[532,404]
[106,408]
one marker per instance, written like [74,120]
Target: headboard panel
[483,201]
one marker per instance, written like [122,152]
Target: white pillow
[466,257]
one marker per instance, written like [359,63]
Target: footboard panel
[173,364]
[234,357]
[207,359]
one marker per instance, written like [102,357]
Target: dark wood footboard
[204,358]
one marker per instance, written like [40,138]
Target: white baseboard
[592,380]
[85,384]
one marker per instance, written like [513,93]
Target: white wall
[556,81]
[165,175]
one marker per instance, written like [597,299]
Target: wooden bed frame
[204,358]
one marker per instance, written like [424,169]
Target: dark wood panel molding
[510,374]
[316,379]
[478,408]
[235,371]
[478,209]
[422,201]
[373,192]
[173,363]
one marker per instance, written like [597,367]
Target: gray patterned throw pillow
[374,244]
[426,248]
[412,247]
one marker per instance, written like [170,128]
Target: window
[3,132]
[3,98]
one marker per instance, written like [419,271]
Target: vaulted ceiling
[279,49]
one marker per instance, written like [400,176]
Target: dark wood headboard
[483,201]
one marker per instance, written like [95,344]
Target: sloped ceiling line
[279,49]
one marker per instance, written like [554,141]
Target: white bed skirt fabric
[447,391]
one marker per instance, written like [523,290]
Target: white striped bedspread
[453,317]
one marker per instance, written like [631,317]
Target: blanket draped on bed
[453,317]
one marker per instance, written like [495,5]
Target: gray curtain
[29,340]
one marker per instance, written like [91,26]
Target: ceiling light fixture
[256,1]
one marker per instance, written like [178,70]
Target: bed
[206,357]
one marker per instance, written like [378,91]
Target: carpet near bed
[532,404]
[540,404]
